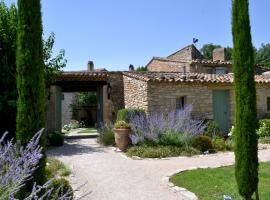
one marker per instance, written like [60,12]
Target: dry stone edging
[183,191]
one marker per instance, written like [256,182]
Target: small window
[268,103]
[180,103]
[220,70]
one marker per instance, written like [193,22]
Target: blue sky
[116,33]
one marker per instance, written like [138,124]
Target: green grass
[88,130]
[55,167]
[212,184]
[160,151]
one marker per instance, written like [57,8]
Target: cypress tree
[246,158]
[30,78]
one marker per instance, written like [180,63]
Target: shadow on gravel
[71,147]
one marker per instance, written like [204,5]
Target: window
[268,103]
[220,70]
[180,103]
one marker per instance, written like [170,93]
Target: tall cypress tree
[30,77]
[246,158]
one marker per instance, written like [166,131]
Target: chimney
[219,54]
[131,68]
[90,66]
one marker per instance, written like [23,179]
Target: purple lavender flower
[17,166]
[153,125]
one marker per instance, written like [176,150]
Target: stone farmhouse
[171,83]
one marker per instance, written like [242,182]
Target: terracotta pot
[122,139]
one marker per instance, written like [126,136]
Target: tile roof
[82,76]
[189,77]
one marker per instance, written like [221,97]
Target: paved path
[112,176]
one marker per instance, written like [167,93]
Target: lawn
[212,184]
[88,130]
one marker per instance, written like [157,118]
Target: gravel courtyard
[110,175]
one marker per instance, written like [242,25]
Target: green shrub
[264,140]
[56,139]
[176,139]
[160,151]
[219,144]
[229,144]
[60,186]
[264,129]
[203,143]
[55,167]
[106,135]
[212,129]
[125,114]
[121,125]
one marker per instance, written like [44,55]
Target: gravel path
[110,175]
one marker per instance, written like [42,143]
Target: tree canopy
[8,38]
[246,141]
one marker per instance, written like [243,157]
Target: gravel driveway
[110,175]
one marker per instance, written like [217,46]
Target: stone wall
[188,53]
[263,91]
[116,100]
[67,100]
[167,66]
[135,93]
[161,97]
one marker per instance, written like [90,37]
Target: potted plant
[121,133]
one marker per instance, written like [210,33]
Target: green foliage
[125,114]
[142,69]
[8,92]
[106,135]
[30,79]
[53,65]
[86,99]
[64,186]
[146,151]
[8,46]
[207,50]
[212,129]
[55,167]
[246,140]
[171,138]
[56,139]
[264,140]
[264,128]
[219,144]
[121,125]
[263,55]
[203,143]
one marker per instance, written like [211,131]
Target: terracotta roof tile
[189,77]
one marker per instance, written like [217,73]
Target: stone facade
[160,97]
[187,53]
[135,93]
[116,100]
[67,100]
[158,65]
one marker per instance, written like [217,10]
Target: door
[221,109]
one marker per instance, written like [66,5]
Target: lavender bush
[152,126]
[17,166]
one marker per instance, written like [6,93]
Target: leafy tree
[142,69]
[30,79]
[52,65]
[207,50]
[263,55]
[246,158]
[8,94]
